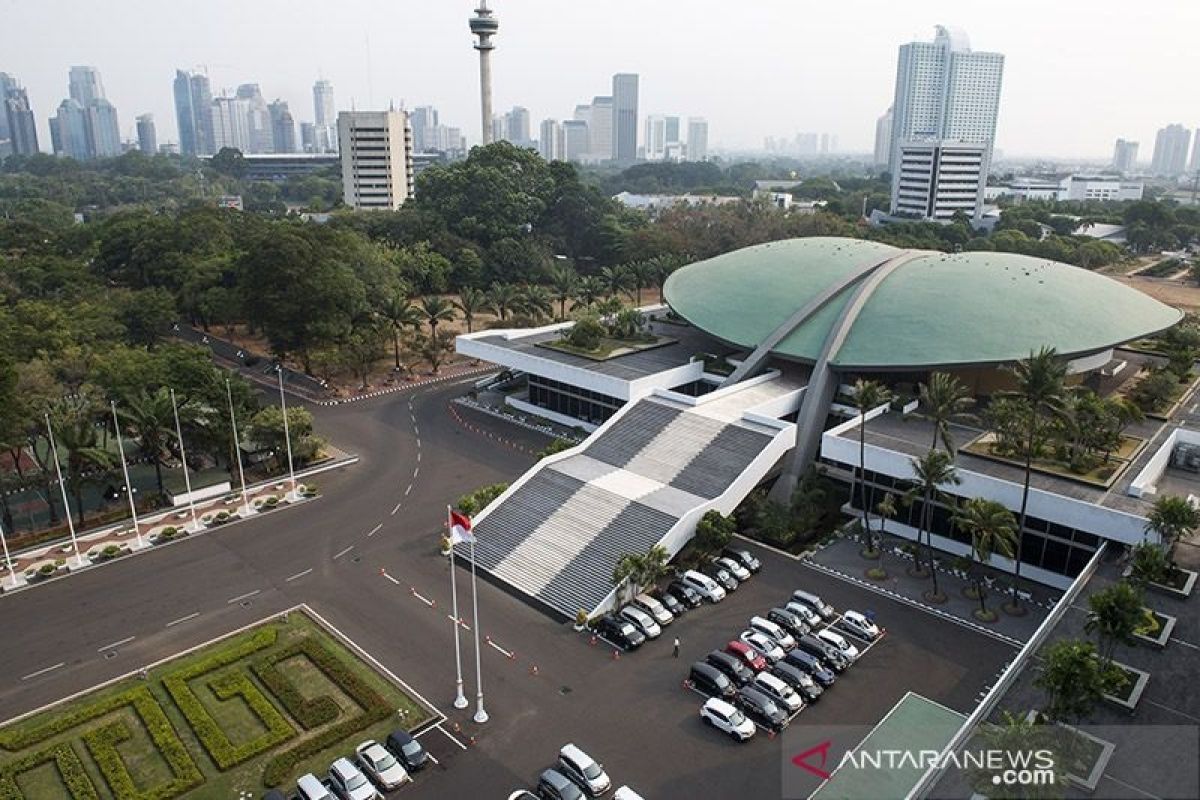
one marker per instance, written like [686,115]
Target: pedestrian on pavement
[676,653]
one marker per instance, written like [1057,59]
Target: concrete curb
[394,389]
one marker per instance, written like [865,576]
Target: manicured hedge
[75,778]
[310,713]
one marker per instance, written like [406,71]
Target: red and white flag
[460,528]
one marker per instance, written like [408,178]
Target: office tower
[377,158]
[445,138]
[656,137]
[484,26]
[230,123]
[147,136]
[600,128]
[824,143]
[934,180]
[499,123]
[84,85]
[807,144]
[550,140]
[697,139]
[945,90]
[672,132]
[258,119]
[625,117]
[7,84]
[517,126]
[883,138]
[1170,151]
[424,120]
[68,131]
[283,127]
[576,142]
[325,117]
[1194,166]
[19,133]
[193,99]
[308,137]
[1125,155]
[103,129]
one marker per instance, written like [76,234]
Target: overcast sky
[1079,73]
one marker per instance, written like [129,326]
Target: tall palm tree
[399,314]
[868,395]
[564,282]
[1172,518]
[471,302]
[640,274]
[662,267]
[885,509]
[590,290]
[932,471]
[502,298]
[993,529]
[944,400]
[76,433]
[616,280]
[436,310]
[1041,381]
[535,301]
[149,417]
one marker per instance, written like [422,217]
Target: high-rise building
[424,120]
[68,131]
[1125,155]
[672,132]
[230,123]
[1194,166]
[883,138]
[103,129]
[258,119]
[600,128]
[377,158]
[625,117]
[308,137]
[499,123]
[517,125]
[18,134]
[84,85]
[283,127]
[484,25]
[576,143]
[1171,151]
[7,84]
[656,137]
[945,90]
[935,180]
[325,116]
[193,100]
[147,136]
[697,139]
[550,140]
[86,124]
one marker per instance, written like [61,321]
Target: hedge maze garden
[251,711]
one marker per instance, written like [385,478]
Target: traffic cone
[616,655]
[593,639]
[533,670]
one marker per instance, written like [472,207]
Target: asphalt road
[632,713]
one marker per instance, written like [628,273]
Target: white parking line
[241,597]
[462,623]
[343,552]
[416,472]
[389,577]
[448,736]
[375,530]
[44,671]
[182,620]
[397,508]
[418,455]
[115,644]
[298,575]
[408,490]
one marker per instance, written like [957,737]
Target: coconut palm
[640,274]
[471,302]
[564,282]
[535,301]
[662,267]
[590,290]
[436,310]
[1172,518]
[151,420]
[1041,381]
[629,568]
[399,314]
[616,280]
[502,299]
[944,400]
[931,472]
[885,509]
[868,395]
[993,530]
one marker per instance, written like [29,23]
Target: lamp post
[63,488]
[187,480]
[125,471]
[287,437]
[237,448]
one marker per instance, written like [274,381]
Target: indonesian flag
[460,528]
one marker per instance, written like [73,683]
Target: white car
[725,717]
[625,793]
[839,641]
[763,645]
[583,770]
[709,589]
[736,567]
[778,691]
[860,626]
[642,621]
[654,608]
[349,782]
[776,632]
[805,613]
[380,765]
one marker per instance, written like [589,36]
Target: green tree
[434,348]
[229,161]
[930,473]
[76,434]
[1149,564]
[586,334]
[713,532]
[502,299]
[471,302]
[535,302]
[564,282]
[1172,518]
[1017,737]
[1073,678]
[436,310]
[400,315]
[868,395]
[1114,614]
[363,347]
[945,400]
[590,290]
[615,279]
[151,419]
[992,529]
[266,430]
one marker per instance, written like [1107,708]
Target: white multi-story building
[576,142]
[656,137]
[1099,187]
[697,139]
[325,116]
[883,138]
[230,123]
[1125,156]
[550,140]
[600,129]
[1171,151]
[1194,166]
[934,180]
[377,158]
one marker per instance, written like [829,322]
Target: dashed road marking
[298,575]
[416,472]
[408,490]
[343,552]
[182,620]
[43,671]
[396,509]
[375,530]
[242,597]
[115,644]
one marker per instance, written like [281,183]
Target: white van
[779,691]
[703,584]
[781,637]
[654,608]
[840,642]
[815,603]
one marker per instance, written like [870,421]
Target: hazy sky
[1079,73]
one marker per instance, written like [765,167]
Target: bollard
[457,727]
[382,571]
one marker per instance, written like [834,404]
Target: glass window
[1055,557]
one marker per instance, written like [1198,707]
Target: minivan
[654,608]
[704,585]
[829,654]
[778,691]
[734,668]
[812,665]
[553,785]
[815,603]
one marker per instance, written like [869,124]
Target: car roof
[555,778]
[706,669]
[310,783]
[718,704]
[738,646]
[400,735]
[343,767]
[644,597]
[770,680]
[573,752]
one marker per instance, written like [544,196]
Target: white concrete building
[935,180]
[656,137]
[883,138]
[697,139]
[1170,151]
[377,159]
[1125,156]
[550,140]
[576,144]
[1099,187]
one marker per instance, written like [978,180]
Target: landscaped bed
[256,709]
[1103,476]
[609,347]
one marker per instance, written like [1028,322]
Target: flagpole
[481,716]
[125,471]
[187,481]
[13,570]
[63,488]
[460,699]
[237,449]
[287,437]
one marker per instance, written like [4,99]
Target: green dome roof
[937,309]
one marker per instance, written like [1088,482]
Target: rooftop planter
[1102,476]
[609,347]
[1157,629]
[1127,697]
[1090,760]
[1179,582]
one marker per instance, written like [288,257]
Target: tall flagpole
[63,488]
[13,572]
[481,716]
[125,471]
[287,438]
[237,448]
[460,699]
[187,481]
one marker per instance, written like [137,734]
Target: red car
[747,655]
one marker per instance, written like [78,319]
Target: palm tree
[868,395]
[662,267]
[629,568]
[885,509]
[399,314]
[75,430]
[436,310]
[502,298]
[435,347]
[1172,518]
[993,530]
[616,280]
[1040,391]
[564,282]
[535,301]
[945,399]
[590,290]
[471,302]
[640,274]
[149,417]
[930,472]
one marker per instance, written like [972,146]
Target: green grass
[609,348]
[134,733]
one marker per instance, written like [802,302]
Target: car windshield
[355,780]
[737,717]
[384,760]
[627,629]
[592,771]
[411,749]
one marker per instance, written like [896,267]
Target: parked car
[642,621]
[811,618]
[733,567]
[670,602]
[646,603]
[684,593]
[776,632]
[350,783]
[583,770]
[815,603]
[840,642]
[705,586]
[778,691]
[789,621]
[309,788]
[763,644]
[859,625]
[711,681]
[725,717]
[734,668]
[827,653]
[625,793]
[410,752]
[720,575]
[761,708]
[620,632]
[274,794]
[749,656]
[746,558]
[380,766]
[553,785]
[522,794]
[813,665]
[799,680]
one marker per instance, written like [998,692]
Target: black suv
[734,668]
[761,708]
[812,665]
[685,594]
[620,632]
[789,622]
[798,679]
[711,681]
[720,575]
[669,601]
[743,557]
[410,752]
[826,652]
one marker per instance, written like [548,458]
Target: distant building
[193,101]
[1194,166]
[1125,156]
[261,137]
[147,137]
[69,132]
[7,84]
[86,124]
[935,180]
[673,131]
[279,167]
[283,127]
[697,139]
[550,140]
[625,117]
[1171,151]
[377,158]
[883,138]
[84,85]
[656,137]
[308,137]
[575,140]
[1099,187]
[517,127]
[19,135]
[653,203]
[325,114]
[231,201]
[424,121]
[230,123]
[600,129]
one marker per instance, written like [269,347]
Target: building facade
[550,140]
[283,127]
[193,101]
[230,121]
[576,140]
[600,129]
[146,134]
[260,136]
[625,117]
[697,139]
[325,116]
[377,159]
[1125,155]
[936,180]
[656,137]
[883,139]
[19,136]
[1171,151]
[69,132]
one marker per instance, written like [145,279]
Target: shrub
[1150,564]
[74,776]
[556,446]
[586,334]
[168,532]
[46,569]
[271,502]
[476,501]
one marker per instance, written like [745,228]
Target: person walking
[675,654]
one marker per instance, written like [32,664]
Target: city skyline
[742,102]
